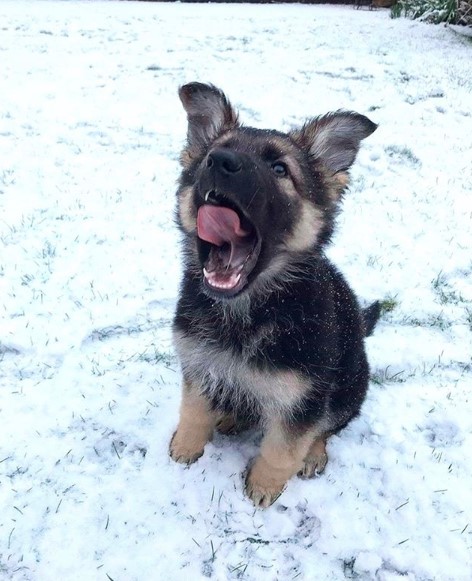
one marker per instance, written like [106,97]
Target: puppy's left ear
[333,140]
[208,112]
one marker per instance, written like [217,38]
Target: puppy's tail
[371,315]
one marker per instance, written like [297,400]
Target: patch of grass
[387,376]
[465,367]
[239,569]
[96,369]
[26,279]
[468,317]
[388,304]
[8,349]
[402,155]
[372,260]
[7,177]
[348,569]
[450,296]
[439,320]
[48,250]
[445,293]
[155,356]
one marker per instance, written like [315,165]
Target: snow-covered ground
[90,133]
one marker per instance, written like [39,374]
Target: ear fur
[334,139]
[208,112]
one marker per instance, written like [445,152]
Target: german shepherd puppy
[267,331]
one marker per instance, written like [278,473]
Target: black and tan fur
[282,348]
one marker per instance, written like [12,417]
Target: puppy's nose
[225,161]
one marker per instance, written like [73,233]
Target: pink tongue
[219,225]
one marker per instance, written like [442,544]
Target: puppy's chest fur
[230,364]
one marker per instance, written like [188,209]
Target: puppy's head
[253,203]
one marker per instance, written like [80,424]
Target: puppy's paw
[184,449]
[261,487]
[315,462]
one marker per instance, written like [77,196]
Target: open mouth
[229,247]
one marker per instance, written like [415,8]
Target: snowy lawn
[90,132]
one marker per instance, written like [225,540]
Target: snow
[90,133]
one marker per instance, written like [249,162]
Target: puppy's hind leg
[316,459]
[195,428]
[281,457]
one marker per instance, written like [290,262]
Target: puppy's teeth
[210,278]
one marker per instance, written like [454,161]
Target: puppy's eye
[280,169]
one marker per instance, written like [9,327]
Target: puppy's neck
[237,310]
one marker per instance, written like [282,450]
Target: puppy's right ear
[209,113]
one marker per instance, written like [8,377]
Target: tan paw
[262,490]
[313,465]
[184,449]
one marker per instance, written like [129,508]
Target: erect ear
[334,139]
[208,111]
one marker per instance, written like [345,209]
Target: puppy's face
[253,202]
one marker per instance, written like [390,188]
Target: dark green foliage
[434,11]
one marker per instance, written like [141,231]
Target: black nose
[224,161]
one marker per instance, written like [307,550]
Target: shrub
[464,12]
[434,11]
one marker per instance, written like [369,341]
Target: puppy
[267,330]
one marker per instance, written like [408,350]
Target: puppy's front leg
[281,457]
[195,428]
